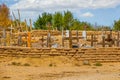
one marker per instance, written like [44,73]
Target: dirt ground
[55,69]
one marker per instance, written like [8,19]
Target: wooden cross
[49,36]
[92,40]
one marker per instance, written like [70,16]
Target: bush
[15,63]
[98,64]
[26,64]
[6,77]
[50,64]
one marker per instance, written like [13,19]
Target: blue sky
[102,12]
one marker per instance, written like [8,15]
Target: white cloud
[51,5]
[32,8]
[87,14]
[26,15]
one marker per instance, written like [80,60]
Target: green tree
[58,20]
[67,20]
[39,23]
[42,21]
[116,25]
[77,25]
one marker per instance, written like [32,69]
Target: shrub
[98,64]
[50,64]
[26,64]
[15,63]
[6,77]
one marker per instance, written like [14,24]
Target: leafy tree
[77,25]
[43,20]
[5,20]
[58,20]
[116,25]
[39,23]
[67,20]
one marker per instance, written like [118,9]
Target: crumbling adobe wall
[81,54]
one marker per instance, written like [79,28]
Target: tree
[67,20]
[39,23]
[116,25]
[5,20]
[42,21]
[58,20]
[77,25]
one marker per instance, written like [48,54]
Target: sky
[100,12]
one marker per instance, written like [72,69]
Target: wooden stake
[103,41]
[62,38]
[49,36]
[26,26]
[70,39]
[14,16]
[118,41]
[29,39]
[30,24]
[48,40]
[92,40]
[4,37]
[8,39]
[42,41]
[26,43]
[19,40]
[19,21]
[77,36]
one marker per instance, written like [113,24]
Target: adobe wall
[93,54]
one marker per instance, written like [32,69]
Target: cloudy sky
[102,12]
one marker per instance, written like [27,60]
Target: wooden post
[118,41]
[109,40]
[30,25]
[49,37]
[110,45]
[4,37]
[92,40]
[77,36]
[29,39]
[8,39]
[26,26]
[111,34]
[19,40]
[62,38]
[19,21]
[70,39]
[42,41]
[26,40]
[103,41]
[11,29]
[48,40]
